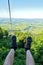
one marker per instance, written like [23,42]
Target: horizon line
[18,18]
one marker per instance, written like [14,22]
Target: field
[22,28]
[24,25]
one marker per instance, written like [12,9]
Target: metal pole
[10,14]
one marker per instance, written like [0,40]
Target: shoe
[28,43]
[14,45]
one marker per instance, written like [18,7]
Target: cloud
[23,14]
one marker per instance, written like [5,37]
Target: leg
[29,58]
[10,58]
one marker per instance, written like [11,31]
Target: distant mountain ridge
[17,20]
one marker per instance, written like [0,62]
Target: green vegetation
[20,54]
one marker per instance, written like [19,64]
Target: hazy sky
[22,8]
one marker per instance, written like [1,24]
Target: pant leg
[29,58]
[10,58]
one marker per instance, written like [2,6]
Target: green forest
[20,54]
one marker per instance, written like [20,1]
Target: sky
[22,8]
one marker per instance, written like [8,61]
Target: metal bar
[10,14]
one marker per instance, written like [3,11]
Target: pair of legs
[10,57]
